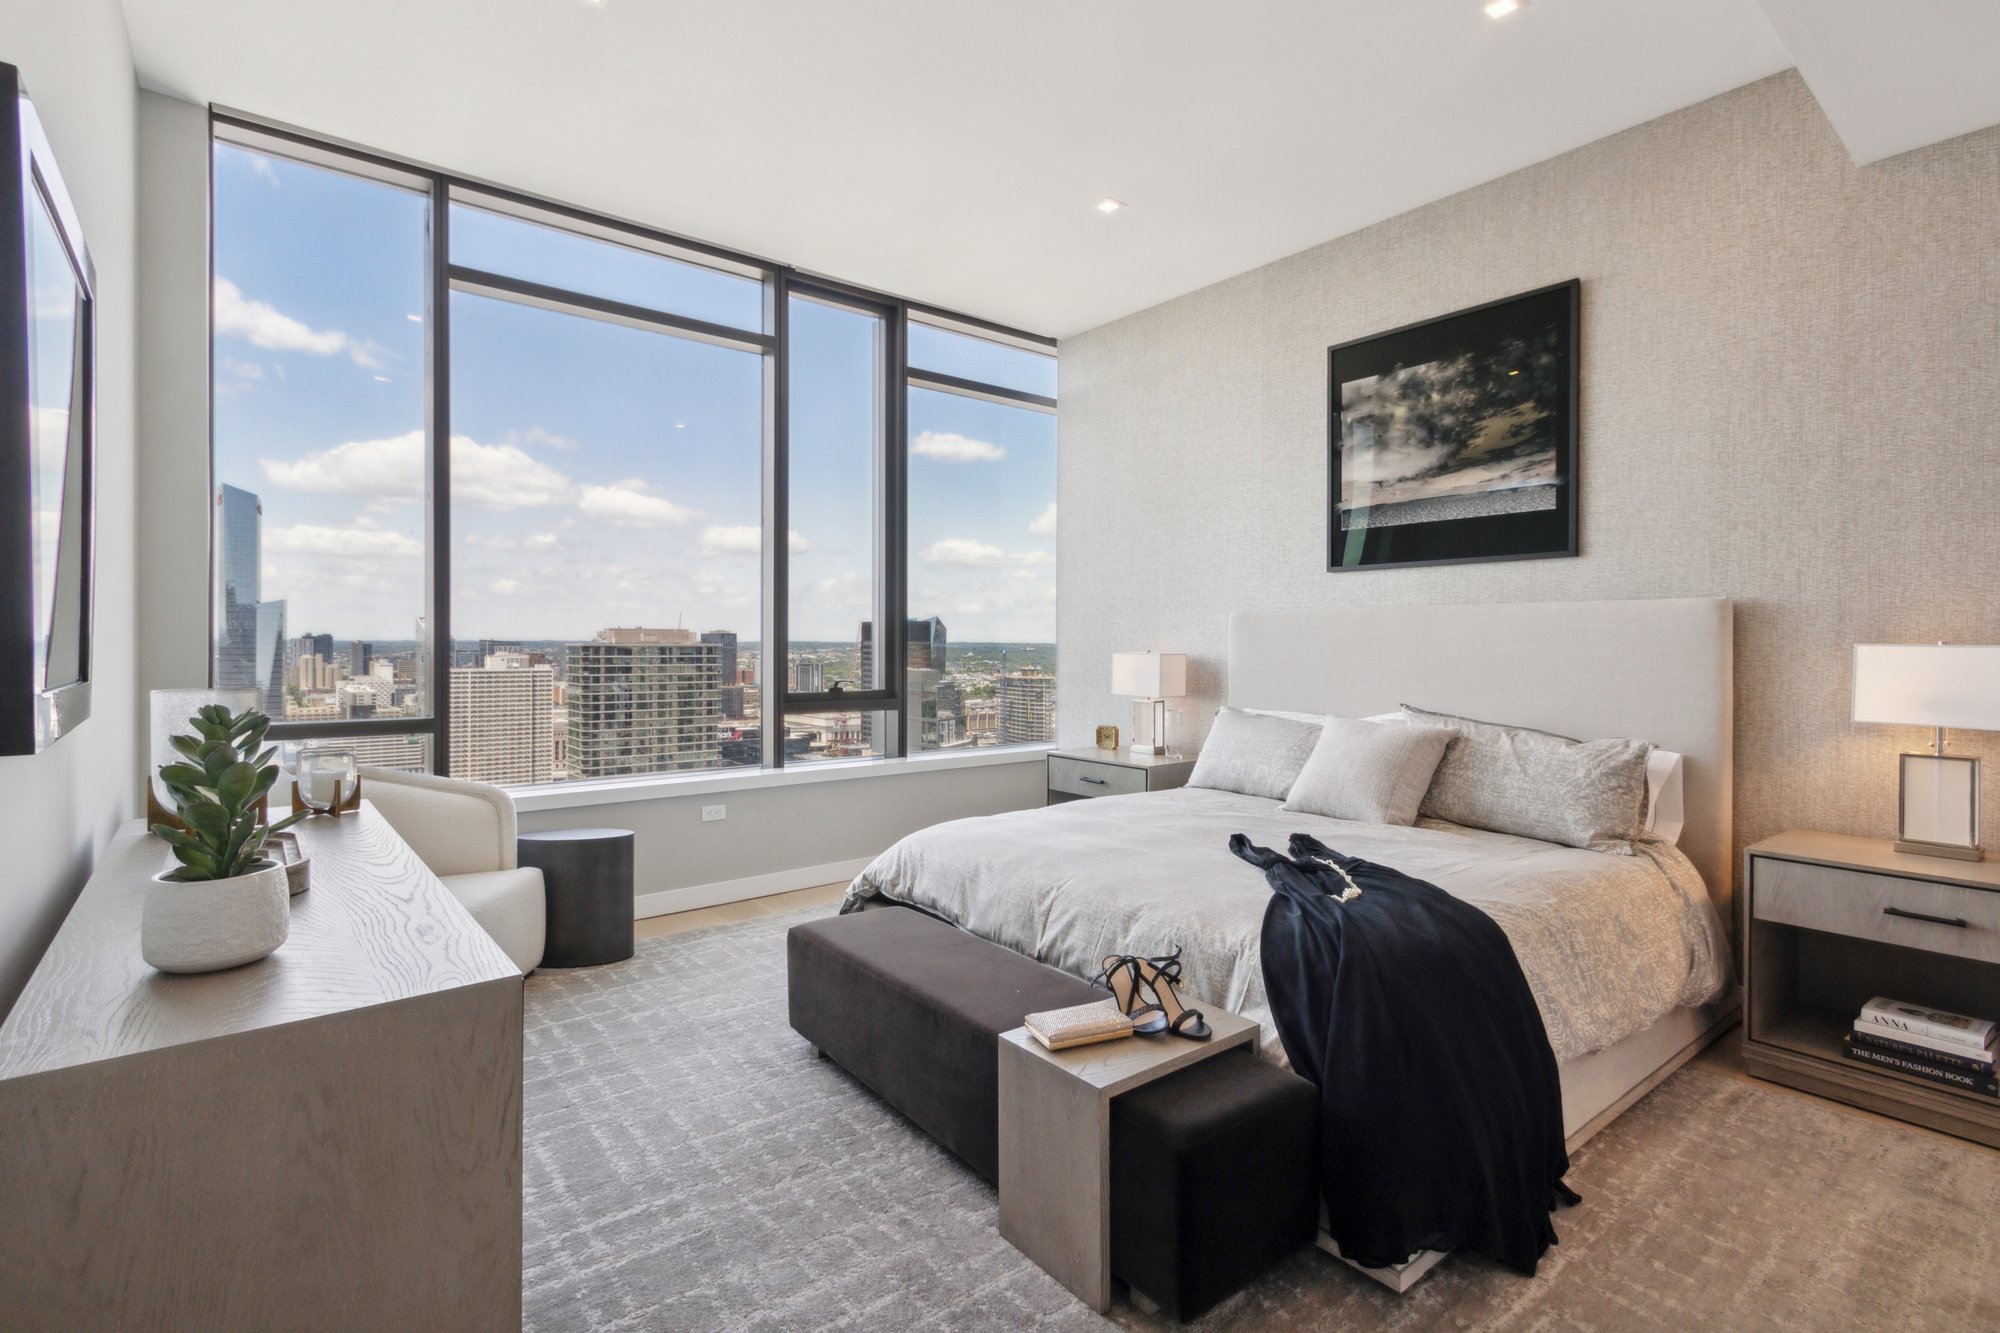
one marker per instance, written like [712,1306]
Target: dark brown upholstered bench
[1211,1167]
[1211,1179]
[912,1006]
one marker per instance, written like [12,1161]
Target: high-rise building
[808,678]
[1027,707]
[732,690]
[360,657]
[501,721]
[249,650]
[642,701]
[924,654]
[312,645]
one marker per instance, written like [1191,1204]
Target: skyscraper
[1027,707]
[501,721]
[732,689]
[249,649]
[924,655]
[642,701]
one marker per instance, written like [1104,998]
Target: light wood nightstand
[1831,921]
[1076,775]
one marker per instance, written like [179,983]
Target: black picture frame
[1453,495]
[48,439]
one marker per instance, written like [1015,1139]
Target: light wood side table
[1076,775]
[1832,921]
[1055,1140]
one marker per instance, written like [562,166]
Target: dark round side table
[588,874]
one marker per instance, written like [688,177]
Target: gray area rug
[690,1166]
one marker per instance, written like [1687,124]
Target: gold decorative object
[1107,738]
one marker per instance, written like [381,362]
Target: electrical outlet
[711,813]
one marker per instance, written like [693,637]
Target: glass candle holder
[326,779]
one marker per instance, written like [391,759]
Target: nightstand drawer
[1081,777]
[1919,914]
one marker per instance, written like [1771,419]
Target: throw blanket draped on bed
[1441,1122]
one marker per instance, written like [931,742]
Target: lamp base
[1138,747]
[1949,850]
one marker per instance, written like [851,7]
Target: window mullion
[438,391]
[776,632]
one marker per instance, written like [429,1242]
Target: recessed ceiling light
[1108,205]
[1500,9]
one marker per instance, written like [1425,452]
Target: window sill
[572,795]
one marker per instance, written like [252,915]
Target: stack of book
[1933,1044]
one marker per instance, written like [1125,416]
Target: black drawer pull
[1099,782]
[1958,921]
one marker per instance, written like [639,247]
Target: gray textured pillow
[1537,784]
[1253,753]
[1371,772]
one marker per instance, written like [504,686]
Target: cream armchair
[464,831]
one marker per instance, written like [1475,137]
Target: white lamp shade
[1149,675]
[1955,685]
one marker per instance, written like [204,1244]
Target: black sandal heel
[1158,975]
[1121,977]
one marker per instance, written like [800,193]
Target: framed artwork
[1454,440]
[47,439]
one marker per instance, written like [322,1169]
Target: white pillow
[1369,772]
[1665,816]
[1257,754]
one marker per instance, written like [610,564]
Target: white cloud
[504,586]
[248,370]
[540,542]
[956,448]
[491,476]
[746,540]
[964,553]
[264,325]
[345,543]
[262,167]
[392,467]
[503,477]
[631,504]
[545,439]
[1044,524]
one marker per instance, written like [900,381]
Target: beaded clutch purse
[1079,1025]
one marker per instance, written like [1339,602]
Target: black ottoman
[1212,1179]
[913,1007]
[588,876]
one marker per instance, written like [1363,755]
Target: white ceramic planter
[208,925]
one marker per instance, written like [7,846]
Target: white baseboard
[668,901]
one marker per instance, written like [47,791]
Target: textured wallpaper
[1791,397]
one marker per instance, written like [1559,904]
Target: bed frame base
[1595,1092]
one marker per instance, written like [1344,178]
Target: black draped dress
[1441,1124]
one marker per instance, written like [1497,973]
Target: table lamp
[1150,679]
[1936,685]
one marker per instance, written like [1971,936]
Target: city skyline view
[601,474]
[606,498]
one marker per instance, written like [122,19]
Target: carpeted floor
[690,1166]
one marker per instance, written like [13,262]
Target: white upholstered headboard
[1661,671]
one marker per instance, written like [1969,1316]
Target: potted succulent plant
[224,904]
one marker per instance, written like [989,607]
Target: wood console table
[328,1138]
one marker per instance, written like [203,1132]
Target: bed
[1627,955]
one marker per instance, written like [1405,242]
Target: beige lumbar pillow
[1369,772]
[1536,784]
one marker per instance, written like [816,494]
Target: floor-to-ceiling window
[520,494]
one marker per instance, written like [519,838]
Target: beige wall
[1791,397]
[62,804]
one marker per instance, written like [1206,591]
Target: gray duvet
[1609,943]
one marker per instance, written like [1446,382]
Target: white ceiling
[953,150]
[1892,77]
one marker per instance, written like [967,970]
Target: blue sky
[602,474]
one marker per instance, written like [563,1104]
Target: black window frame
[781,282]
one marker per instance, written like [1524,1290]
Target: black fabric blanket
[1441,1124]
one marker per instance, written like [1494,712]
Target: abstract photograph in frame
[1455,439]
[47,439]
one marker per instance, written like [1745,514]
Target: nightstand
[1831,921]
[1076,775]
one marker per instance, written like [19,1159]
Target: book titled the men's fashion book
[1882,1039]
[1958,1032]
[1078,1025]
[1935,1071]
